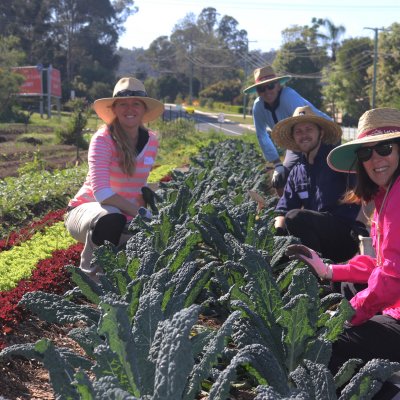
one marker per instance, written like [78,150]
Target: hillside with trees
[203,56]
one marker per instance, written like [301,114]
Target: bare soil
[25,379]
[14,154]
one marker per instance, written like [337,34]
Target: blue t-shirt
[265,119]
[317,187]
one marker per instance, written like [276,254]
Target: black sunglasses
[269,86]
[365,153]
[130,93]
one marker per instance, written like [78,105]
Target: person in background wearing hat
[374,330]
[274,103]
[310,206]
[121,155]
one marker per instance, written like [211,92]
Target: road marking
[224,129]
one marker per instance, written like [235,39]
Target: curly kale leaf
[347,371]
[210,356]
[60,362]
[368,381]
[253,329]
[174,360]
[55,309]
[87,338]
[260,363]
[108,388]
[298,326]
[116,326]
[268,393]
[335,325]
[262,294]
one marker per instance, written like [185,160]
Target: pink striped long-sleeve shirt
[105,177]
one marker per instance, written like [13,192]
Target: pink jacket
[105,176]
[383,279]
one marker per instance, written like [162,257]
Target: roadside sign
[221,118]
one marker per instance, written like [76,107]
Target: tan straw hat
[282,132]
[376,125]
[128,88]
[265,75]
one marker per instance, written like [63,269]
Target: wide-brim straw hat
[376,125]
[265,75]
[128,88]
[282,133]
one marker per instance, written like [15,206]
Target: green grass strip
[19,262]
[161,171]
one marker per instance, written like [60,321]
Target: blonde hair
[125,147]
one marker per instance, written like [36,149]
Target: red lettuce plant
[24,234]
[49,276]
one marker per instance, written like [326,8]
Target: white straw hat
[132,88]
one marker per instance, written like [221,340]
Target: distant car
[189,109]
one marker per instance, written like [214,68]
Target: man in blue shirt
[310,207]
[274,103]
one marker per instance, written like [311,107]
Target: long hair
[125,147]
[365,189]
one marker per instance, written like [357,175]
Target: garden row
[205,253]
[34,252]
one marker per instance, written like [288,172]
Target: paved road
[206,121]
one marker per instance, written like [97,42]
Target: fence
[349,133]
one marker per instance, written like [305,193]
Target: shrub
[72,135]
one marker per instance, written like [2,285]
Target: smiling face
[379,168]
[130,112]
[267,94]
[307,136]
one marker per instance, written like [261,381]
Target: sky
[263,20]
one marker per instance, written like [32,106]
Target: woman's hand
[311,258]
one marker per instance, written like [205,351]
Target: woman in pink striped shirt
[121,155]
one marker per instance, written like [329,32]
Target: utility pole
[375,63]
[245,74]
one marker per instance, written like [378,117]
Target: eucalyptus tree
[87,33]
[161,55]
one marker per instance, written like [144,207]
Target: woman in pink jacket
[121,155]
[374,330]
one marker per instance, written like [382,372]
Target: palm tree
[331,38]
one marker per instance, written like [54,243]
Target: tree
[78,37]
[331,38]
[207,20]
[30,22]
[224,91]
[388,69]
[346,81]
[296,59]
[161,55]
[10,56]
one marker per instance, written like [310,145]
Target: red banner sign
[33,81]
[55,89]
